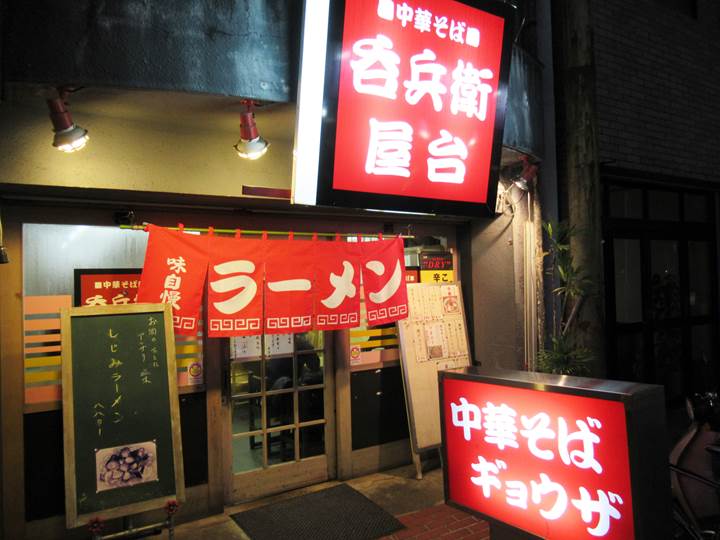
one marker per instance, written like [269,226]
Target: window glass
[280,410]
[630,351]
[625,202]
[278,373]
[281,446]
[311,405]
[246,415]
[703,356]
[700,293]
[696,208]
[245,377]
[247,453]
[628,281]
[310,368]
[664,205]
[664,279]
[668,352]
[312,441]
[51,253]
[686,7]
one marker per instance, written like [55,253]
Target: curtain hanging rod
[269,233]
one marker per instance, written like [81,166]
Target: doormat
[336,512]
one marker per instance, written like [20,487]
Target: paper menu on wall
[425,303]
[450,298]
[245,347]
[415,303]
[433,306]
[435,328]
[418,343]
[436,342]
[455,338]
[277,344]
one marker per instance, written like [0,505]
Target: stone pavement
[441,521]
[418,504]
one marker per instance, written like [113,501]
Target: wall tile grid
[658,87]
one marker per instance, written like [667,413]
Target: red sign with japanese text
[383,275]
[174,273]
[260,286]
[289,279]
[235,292]
[106,288]
[419,89]
[337,275]
[554,465]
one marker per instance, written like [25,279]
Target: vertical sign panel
[414,105]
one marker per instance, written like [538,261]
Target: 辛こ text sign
[418,98]
[554,465]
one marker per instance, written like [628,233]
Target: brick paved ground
[441,521]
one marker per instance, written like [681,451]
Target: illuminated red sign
[554,465]
[420,105]
[106,287]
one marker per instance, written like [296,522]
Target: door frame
[251,485]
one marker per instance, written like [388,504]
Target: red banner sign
[337,273]
[289,279]
[554,465]
[383,272]
[174,273]
[273,286]
[235,293]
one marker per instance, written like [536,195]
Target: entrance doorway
[280,408]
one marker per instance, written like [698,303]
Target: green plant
[565,355]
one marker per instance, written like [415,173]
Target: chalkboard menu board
[123,453]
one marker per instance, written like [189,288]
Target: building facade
[159,88]
[649,86]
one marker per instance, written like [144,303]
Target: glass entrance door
[280,402]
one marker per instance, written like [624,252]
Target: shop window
[687,7]
[665,298]
[628,281]
[626,203]
[663,205]
[51,254]
[661,248]
[700,292]
[696,208]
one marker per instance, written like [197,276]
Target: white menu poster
[432,338]
[278,344]
[245,347]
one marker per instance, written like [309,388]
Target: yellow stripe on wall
[373,332]
[42,376]
[377,343]
[43,361]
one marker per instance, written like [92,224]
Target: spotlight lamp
[251,145]
[69,137]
